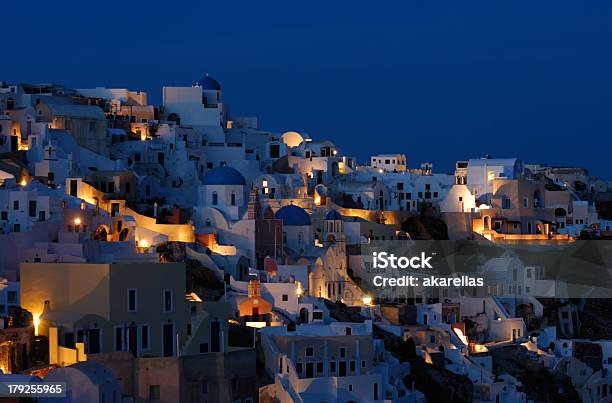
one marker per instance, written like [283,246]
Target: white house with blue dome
[198,105]
[224,188]
[297,229]
[211,91]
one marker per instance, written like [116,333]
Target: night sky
[436,80]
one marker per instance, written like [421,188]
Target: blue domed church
[224,188]
[297,231]
[200,104]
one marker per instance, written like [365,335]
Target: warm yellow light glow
[367,300]
[335,152]
[193,297]
[299,289]
[36,318]
[256,325]
[461,336]
[77,221]
[24,182]
[143,243]
[480,348]
[143,136]
[264,184]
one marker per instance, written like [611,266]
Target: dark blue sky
[436,80]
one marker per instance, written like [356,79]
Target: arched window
[101,234]
[486,222]
[173,117]
[123,235]
[215,198]
[233,199]
[537,199]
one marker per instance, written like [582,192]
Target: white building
[224,189]
[481,172]
[389,162]
[23,206]
[459,199]
[198,105]
[86,382]
[9,296]
[338,362]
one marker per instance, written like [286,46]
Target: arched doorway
[538,228]
[101,234]
[123,235]
[486,222]
[303,315]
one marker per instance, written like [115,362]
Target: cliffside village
[179,253]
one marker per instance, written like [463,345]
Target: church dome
[208,83]
[224,175]
[293,215]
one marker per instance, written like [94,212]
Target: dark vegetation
[438,384]
[425,227]
[343,313]
[539,384]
